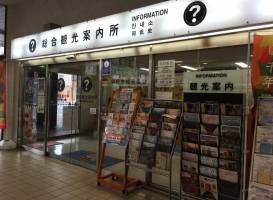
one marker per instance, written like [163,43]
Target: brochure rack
[121,113]
[212,155]
[261,179]
[153,137]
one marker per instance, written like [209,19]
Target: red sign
[262,70]
[2,95]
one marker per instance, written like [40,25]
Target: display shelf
[121,113]
[261,180]
[211,153]
[153,137]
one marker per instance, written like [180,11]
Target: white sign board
[165,75]
[224,81]
[163,20]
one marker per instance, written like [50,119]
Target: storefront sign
[86,84]
[106,67]
[225,81]
[262,70]
[163,20]
[61,84]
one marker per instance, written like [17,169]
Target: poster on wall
[165,76]
[2,95]
[262,69]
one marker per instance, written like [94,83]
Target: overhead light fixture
[188,67]
[144,69]
[204,63]
[178,61]
[241,64]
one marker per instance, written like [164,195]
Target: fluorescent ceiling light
[179,61]
[188,67]
[241,64]
[144,69]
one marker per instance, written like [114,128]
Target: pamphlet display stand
[261,180]
[121,113]
[212,146]
[153,137]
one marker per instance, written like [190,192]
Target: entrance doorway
[60,112]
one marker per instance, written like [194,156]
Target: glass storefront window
[169,76]
[125,72]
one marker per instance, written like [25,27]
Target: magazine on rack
[165,145]
[147,153]
[209,140]
[230,153]
[260,192]
[169,126]
[190,137]
[191,127]
[231,109]
[229,165]
[173,112]
[229,176]
[134,150]
[156,115]
[210,119]
[262,169]
[230,143]
[190,156]
[190,147]
[146,106]
[131,108]
[210,108]
[152,129]
[167,134]
[231,120]
[162,160]
[141,119]
[209,151]
[138,129]
[209,129]
[190,183]
[209,161]
[208,171]
[208,188]
[191,117]
[265,112]
[189,166]
[231,131]
[264,139]
[191,107]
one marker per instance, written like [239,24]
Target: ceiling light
[204,63]
[179,61]
[188,67]
[241,64]
[144,69]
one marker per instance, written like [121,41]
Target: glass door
[33,129]
[73,113]
[63,120]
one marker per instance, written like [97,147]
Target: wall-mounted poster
[2,95]
[262,69]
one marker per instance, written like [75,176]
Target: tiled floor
[27,176]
